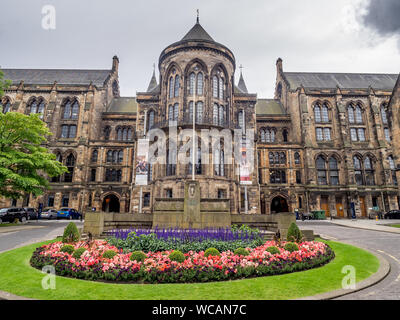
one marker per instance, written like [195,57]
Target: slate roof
[343,80]
[269,107]
[242,84]
[153,83]
[123,105]
[197,33]
[61,76]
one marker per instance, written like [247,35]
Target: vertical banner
[142,161]
[245,166]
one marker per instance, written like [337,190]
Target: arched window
[125,134]
[70,164]
[325,113]
[221,115]
[321,170]
[119,134]
[151,119]
[359,118]
[130,134]
[297,158]
[176,88]
[317,113]
[71,109]
[120,156]
[392,167]
[171,87]
[384,114]
[221,88]
[358,171]
[241,121]
[109,156]
[200,84]
[282,158]
[176,111]
[192,77]
[94,156]
[272,135]
[369,172]
[350,112]
[107,131]
[333,171]
[271,158]
[215,87]
[190,111]
[6,105]
[267,135]
[262,135]
[36,106]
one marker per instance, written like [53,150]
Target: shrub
[138,256]
[241,252]
[67,248]
[211,252]
[294,233]
[290,246]
[71,233]
[78,252]
[109,254]
[273,250]
[177,256]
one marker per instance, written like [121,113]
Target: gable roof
[341,80]
[269,107]
[61,76]
[123,105]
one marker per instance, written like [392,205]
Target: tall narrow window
[333,171]
[285,135]
[215,87]
[69,163]
[67,110]
[358,171]
[392,170]
[200,84]
[151,119]
[93,175]
[361,134]
[387,134]
[176,111]
[350,112]
[199,112]
[384,115]
[191,83]
[321,170]
[359,118]
[353,134]
[327,134]
[215,114]
[297,158]
[221,116]
[171,87]
[176,88]
[317,113]
[75,110]
[190,111]
[262,135]
[369,172]
[107,131]
[94,156]
[319,134]
[325,114]
[221,88]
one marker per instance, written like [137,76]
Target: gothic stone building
[326,141]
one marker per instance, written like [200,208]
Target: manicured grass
[395,225]
[9,224]
[18,277]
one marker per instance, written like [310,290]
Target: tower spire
[242,84]
[198,16]
[153,82]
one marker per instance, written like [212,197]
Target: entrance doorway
[111,203]
[279,204]
[362,207]
[325,205]
[339,207]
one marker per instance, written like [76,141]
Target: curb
[366,228]
[383,271]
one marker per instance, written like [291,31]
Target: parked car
[32,213]
[10,214]
[49,214]
[392,214]
[68,213]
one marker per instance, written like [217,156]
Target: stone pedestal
[191,207]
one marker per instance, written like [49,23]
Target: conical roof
[197,33]
[242,84]
[153,82]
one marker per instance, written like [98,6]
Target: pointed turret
[242,84]
[153,82]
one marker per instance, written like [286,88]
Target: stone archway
[111,203]
[279,204]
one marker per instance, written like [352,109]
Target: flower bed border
[137,275]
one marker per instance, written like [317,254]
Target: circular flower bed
[158,267]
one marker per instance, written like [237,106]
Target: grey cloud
[383,16]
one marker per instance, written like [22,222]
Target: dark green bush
[273,250]
[241,252]
[294,234]
[138,256]
[211,252]
[109,254]
[78,252]
[290,246]
[71,233]
[177,256]
[68,248]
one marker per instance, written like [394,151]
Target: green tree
[24,163]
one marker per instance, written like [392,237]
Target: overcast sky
[309,35]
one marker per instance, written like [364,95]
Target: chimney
[279,66]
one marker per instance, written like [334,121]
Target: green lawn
[18,277]
[395,225]
[8,224]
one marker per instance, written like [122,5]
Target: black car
[10,214]
[32,213]
[392,214]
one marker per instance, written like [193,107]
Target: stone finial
[115,63]
[279,65]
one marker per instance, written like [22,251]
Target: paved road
[387,244]
[31,232]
